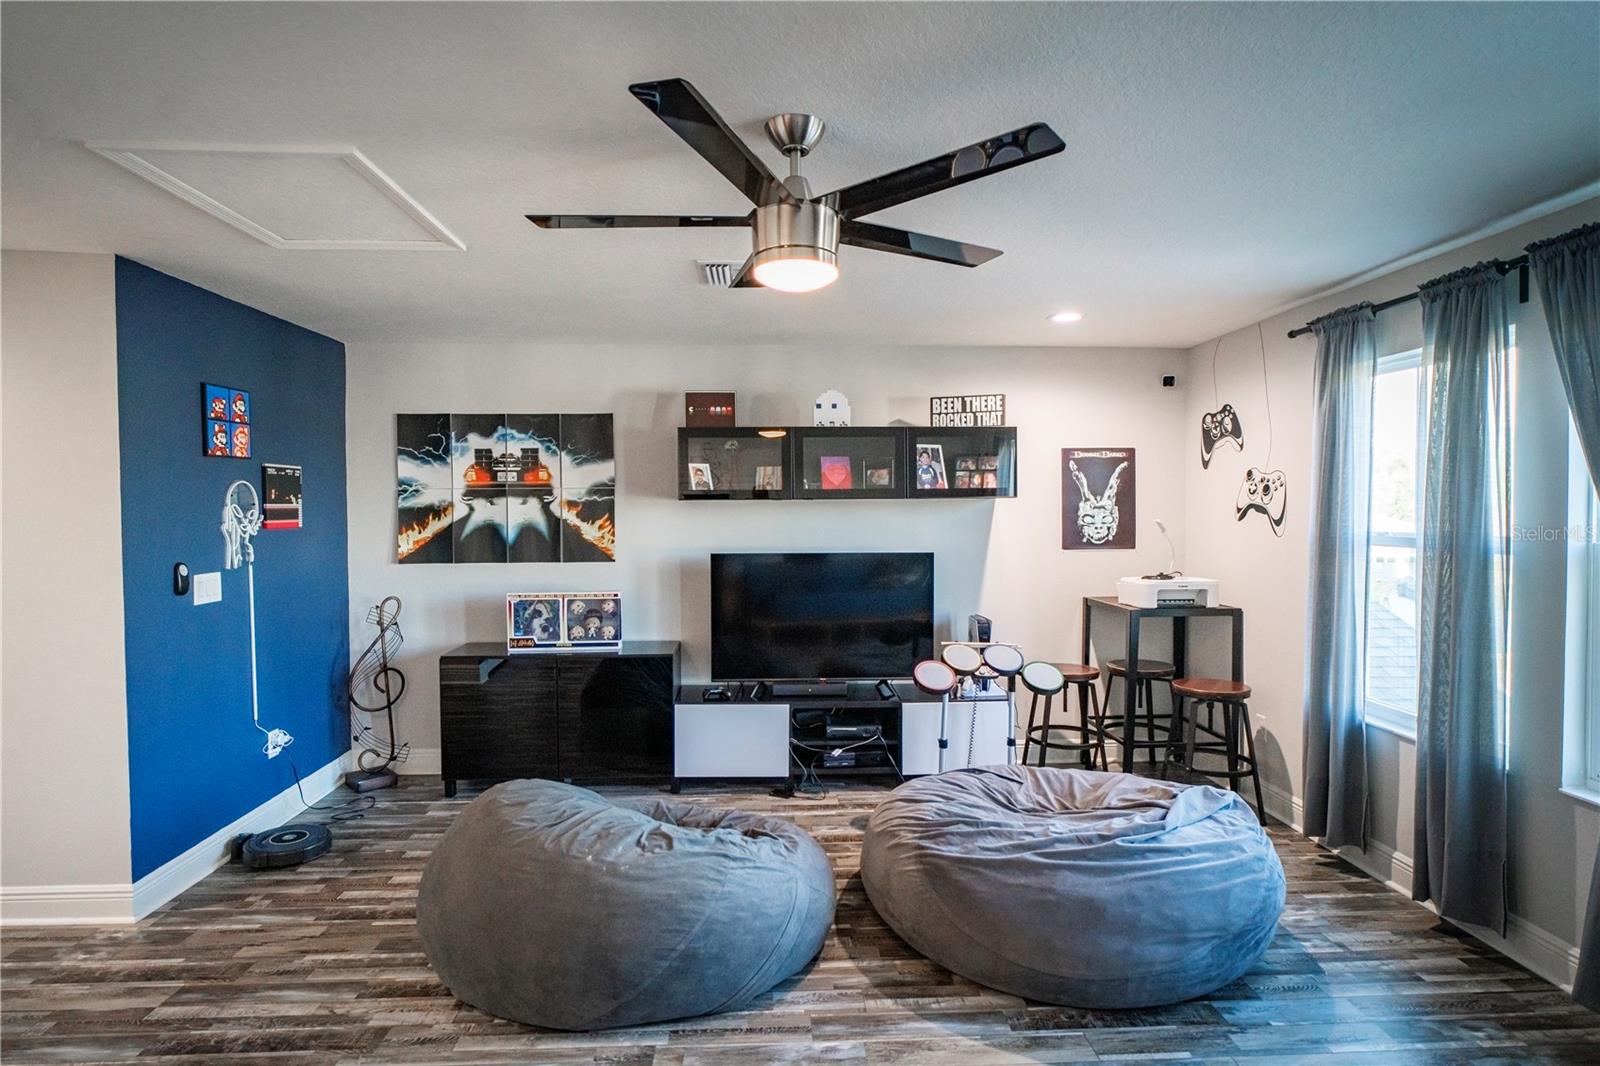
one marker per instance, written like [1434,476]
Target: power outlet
[208,588]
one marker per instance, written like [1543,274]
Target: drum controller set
[966,670]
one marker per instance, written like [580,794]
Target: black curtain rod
[1504,266]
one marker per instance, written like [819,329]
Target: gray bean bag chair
[551,905]
[1075,887]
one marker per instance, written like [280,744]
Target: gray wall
[1000,557]
[1553,836]
[63,707]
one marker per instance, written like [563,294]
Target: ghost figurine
[832,409]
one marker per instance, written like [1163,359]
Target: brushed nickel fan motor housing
[795,133]
[807,229]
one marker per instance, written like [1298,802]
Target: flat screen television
[812,616]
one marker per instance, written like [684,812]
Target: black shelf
[847,462]
[741,463]
[978,463]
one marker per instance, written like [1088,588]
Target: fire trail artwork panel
[505,488]
[1097,496]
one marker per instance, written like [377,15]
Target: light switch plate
[208,587]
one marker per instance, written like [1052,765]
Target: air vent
[719,275]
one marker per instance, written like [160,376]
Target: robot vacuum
[287,845]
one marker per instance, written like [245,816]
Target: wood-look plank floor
[321,964]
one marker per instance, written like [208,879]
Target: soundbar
[819,689]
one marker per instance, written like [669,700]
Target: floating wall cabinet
[846,462]
[734,464]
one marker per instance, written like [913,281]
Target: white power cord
[241,521]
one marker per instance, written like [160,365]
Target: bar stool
[1048,680]
[1238,739]
[1149,671]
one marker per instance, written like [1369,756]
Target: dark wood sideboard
[582,716]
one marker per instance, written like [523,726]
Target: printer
[1160,591]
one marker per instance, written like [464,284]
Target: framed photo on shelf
[702,409]
[700,477]
[836,473]
[540,621]
[593,619]
[878,473]
[930,467]
[769,479]
[533,620]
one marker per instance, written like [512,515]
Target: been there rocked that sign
[988,409]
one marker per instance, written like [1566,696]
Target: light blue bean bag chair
[551,905]
[1075,887]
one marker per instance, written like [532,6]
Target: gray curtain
[1463,577]
[1336,736]
[1568,270]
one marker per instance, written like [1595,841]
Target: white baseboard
[178,874]
[1284,806]
[1526,944]
[121,904]
[420,762]
[1382,863]
[66,904]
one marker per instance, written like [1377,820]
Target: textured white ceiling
[1221,159]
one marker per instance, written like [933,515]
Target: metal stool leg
[1255,770]
[1099,729]
[1172,736]
[1027,738]
[1231,724]
[1044,735]
[1188,740]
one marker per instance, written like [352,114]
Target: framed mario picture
[225,422]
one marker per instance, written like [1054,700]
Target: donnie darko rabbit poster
[505,488]
[1097,498]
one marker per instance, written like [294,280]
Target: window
[1583,609]
[1393,540]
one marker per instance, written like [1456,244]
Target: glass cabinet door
[963,462]
[847,462]
[733,464]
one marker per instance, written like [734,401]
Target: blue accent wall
[194,758]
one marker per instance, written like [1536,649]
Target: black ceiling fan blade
[635,221]
[745,279]
[920,245]
[947,171]
[686,113]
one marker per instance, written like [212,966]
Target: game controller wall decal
[1219,427]
[1265,491]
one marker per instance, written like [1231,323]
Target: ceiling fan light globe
[797,270]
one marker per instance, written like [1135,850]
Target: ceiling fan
[797,235]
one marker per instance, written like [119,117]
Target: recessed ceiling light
[1063,317]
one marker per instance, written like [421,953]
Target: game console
[1265,491]
[1169,592]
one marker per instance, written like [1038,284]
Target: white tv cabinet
[748,738]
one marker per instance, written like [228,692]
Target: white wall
[1552,836]
[1000,557]
[64,844]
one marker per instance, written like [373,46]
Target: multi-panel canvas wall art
[505,488]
